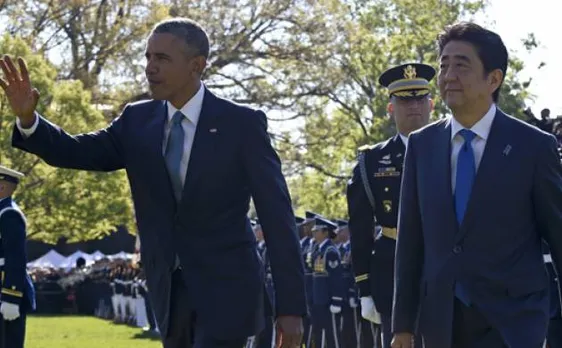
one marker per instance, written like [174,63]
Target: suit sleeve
[409,249]
[361,229]
[95,151]
[335,277]
[13,238]
[547,198]
[273,206]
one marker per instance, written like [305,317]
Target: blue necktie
[174,153]
[466,171]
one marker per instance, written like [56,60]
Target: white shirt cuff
[27,132]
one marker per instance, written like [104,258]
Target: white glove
[352,302]
[9,311]
[369,311]
[335,309]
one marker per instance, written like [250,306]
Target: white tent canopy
[51,259]
[97,255]
[70,261]
[121,255]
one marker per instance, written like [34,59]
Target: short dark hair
[188,30]
[489,47]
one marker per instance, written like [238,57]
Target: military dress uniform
[351,318]
[17,291]
[373,198]
[307,248]
[327,289]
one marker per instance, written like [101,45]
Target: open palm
[21,95]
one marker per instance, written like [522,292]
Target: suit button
[457,249]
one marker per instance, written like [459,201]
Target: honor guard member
[554,338]
[17,296]
[373,192]
[351,320]
[327,285]
[307,247]
[266,337]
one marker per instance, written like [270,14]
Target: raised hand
[21,95]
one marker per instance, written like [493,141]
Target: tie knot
[177,118]
[468,135]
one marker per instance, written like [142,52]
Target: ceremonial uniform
[351,319]
[307,247]
[17,296]
[373,199]
[327,289]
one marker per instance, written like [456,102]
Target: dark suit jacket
[496,252]
[231,160]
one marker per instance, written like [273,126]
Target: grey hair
[191,32]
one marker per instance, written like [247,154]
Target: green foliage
[385,33]
[62,202]
[312,65]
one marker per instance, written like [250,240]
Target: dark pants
[325,327]
[369,335]
[149,313]
[555,333]
[472,330]
[12,332]
[184,331]
[265,337]
[307,335]
[350,326]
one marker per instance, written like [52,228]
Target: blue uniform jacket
[17,287]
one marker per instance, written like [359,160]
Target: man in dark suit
[17,296]
[373,194]
[193,161]
[479,191]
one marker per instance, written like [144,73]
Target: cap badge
[410,72]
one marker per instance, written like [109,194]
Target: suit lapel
[492,161]
[203,143]
[442,181]
[155,142]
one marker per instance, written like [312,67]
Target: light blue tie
[174,153]
[466,172]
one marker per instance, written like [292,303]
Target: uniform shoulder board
[366,147]
[13,208]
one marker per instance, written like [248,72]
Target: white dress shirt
[192,111]
[482,131]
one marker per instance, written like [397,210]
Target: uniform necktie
[466,172]
[174,153]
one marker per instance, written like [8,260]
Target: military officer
[327,285]
[307,247]
[350,316]
[266,338]
[17,296]
[374,191]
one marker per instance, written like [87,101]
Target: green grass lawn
[84,332]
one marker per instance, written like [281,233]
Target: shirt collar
[480,128]
[323,243]
[191,109]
